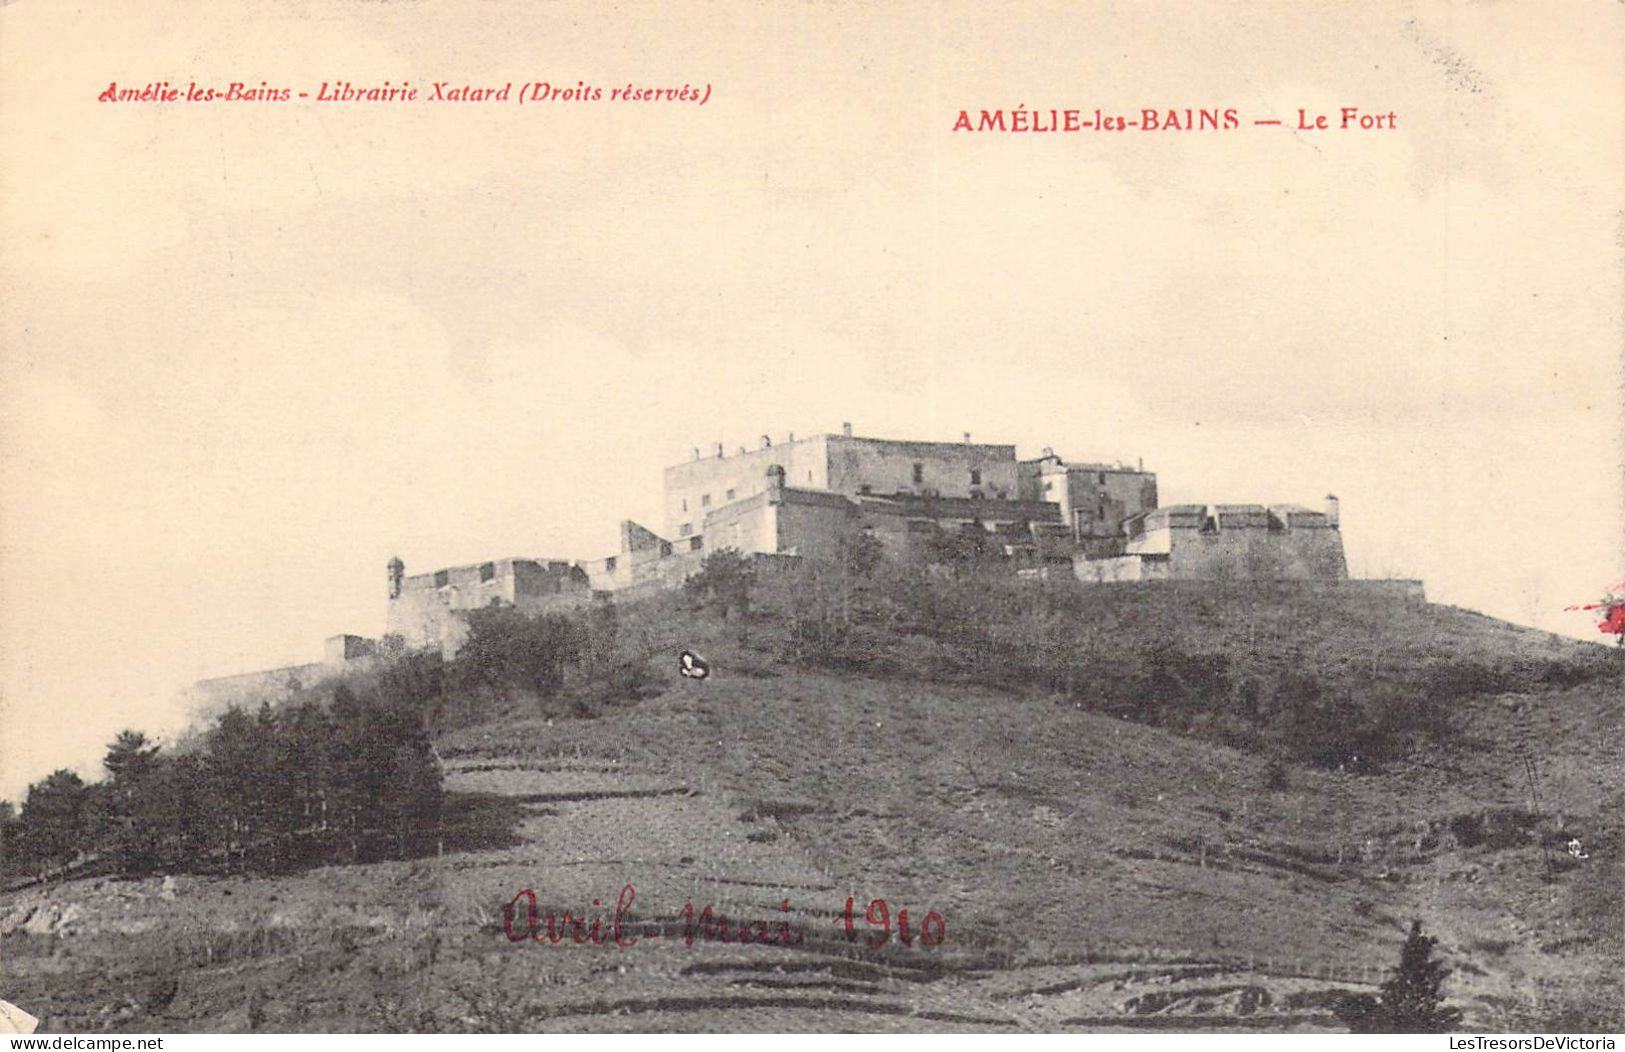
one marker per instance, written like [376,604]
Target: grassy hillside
[1092,796]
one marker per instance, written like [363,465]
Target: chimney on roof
[792,436]
[1142,464]
[846,429]
[1333,511]
[719,450]
[1049,451]
[767,442]
[696,452]
[967,438]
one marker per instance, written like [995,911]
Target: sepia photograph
[812,516]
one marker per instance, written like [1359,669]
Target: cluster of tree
[336,773]
[350,780]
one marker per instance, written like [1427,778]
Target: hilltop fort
[805,497]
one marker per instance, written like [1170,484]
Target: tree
[129,757]
[127,823]
[600,632]
[52,826]
[278,777]
[8,835]
[182,808]
[234,762]
[381,782]
[509,649]
[724,583]
[1410,1001]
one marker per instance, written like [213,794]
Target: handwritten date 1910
[932,930]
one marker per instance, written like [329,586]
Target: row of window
[488,571]
[918,476]
[694,545]
[705,499]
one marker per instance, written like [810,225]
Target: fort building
[1280,542]
[645,562]
[1095,499]
[425,609]
[208,698]
[790,520]
[920,500]
[843,464]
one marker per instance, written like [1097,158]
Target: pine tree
[129,756]
[231,782]
[126,825]
[1411,998]
[1410,1001]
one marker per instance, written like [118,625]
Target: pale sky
[250,350]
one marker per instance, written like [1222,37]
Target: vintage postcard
[791,516]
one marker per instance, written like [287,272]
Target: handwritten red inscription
[707,925]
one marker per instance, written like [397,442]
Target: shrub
[724,583]
[508,649]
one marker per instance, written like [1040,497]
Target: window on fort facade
[609,564]
[705,500]
[442,578]
[665,548]
[1048,485]
[866,488]
[919,473]
[685,529]
[685,503]
[488,572]
[975,476]
[728,495]
[696,543]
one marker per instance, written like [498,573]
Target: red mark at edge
[1611,620]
